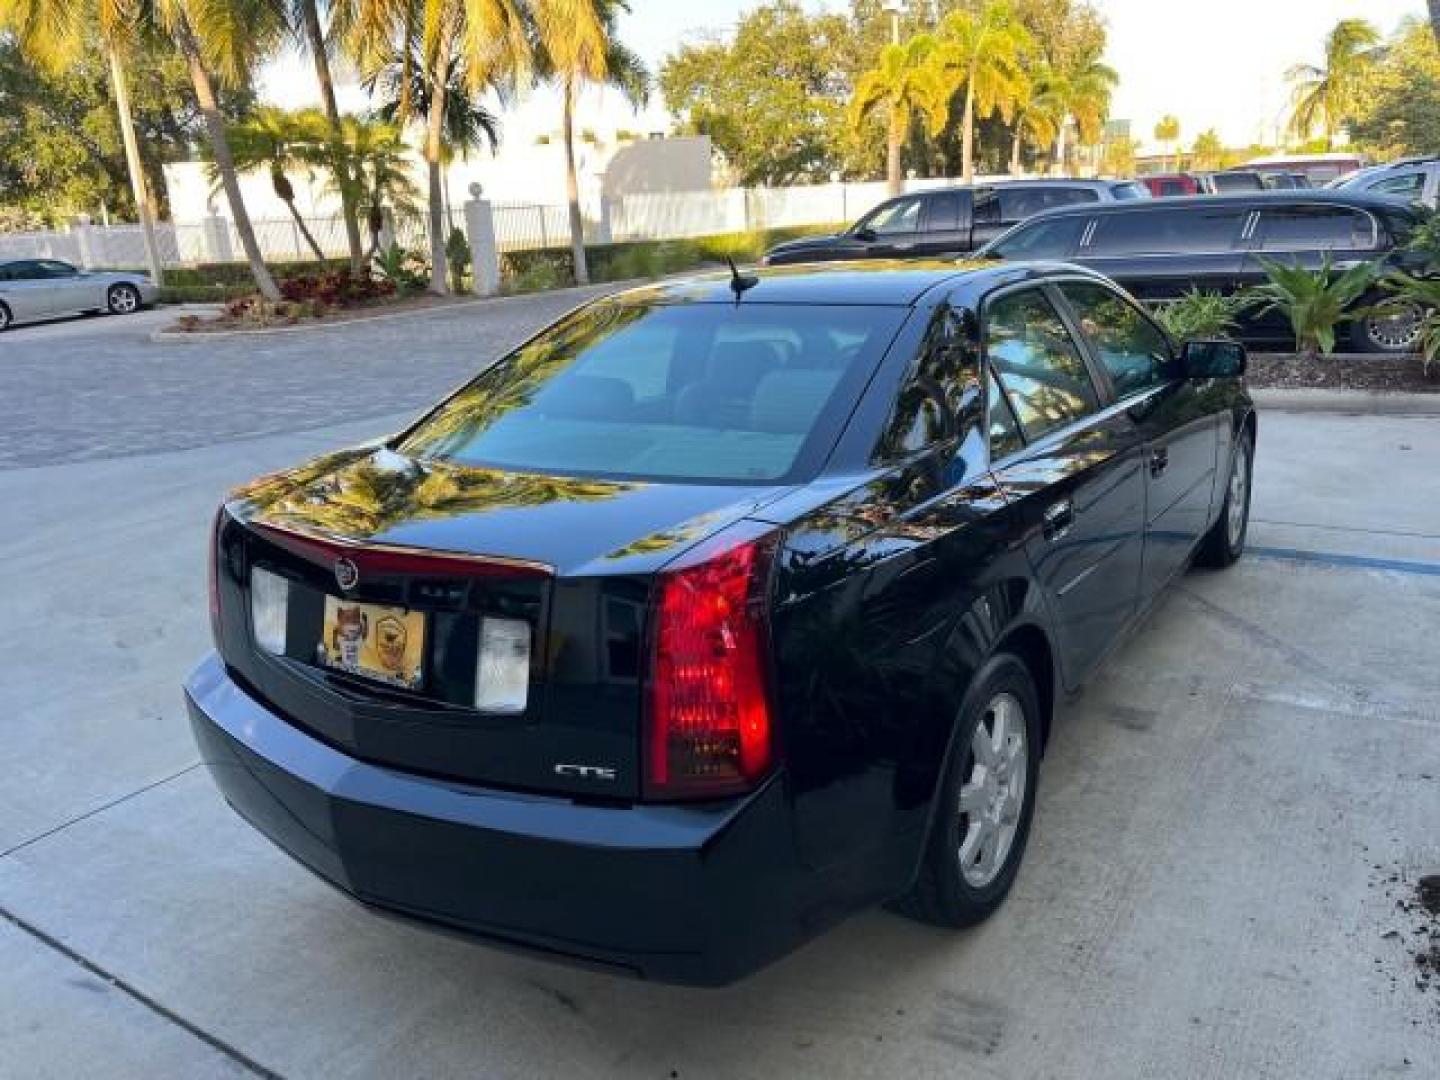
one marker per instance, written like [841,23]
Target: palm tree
[376,168]
[277,140]
[578,44]
[1323,96]
[305,16]
[906,84]
[52,32]
[983,51]
[1207,150]
[1080,90]
[404,94]
[1167,132]
[490,38]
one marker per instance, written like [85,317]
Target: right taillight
[709,720]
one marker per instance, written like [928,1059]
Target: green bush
[458,255]
[202,294]
[1411,292]
[1200,314]
[1315,301]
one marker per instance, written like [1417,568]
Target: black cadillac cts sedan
[718,609]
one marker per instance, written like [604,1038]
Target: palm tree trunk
[1434,6]
[1015,141]
[434,144]
[133,164]
[304,229]
[572,188]
[967,133]
[224,161]
[892,150]
[1060,146]
[315,38]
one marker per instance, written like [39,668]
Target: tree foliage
[60,149]
[1399,114]
[1324,95]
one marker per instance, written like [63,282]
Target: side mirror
[865,235]
[1213,359]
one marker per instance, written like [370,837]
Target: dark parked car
[1161,249]
[710,615]
[948,221]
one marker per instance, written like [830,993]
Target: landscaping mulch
[222,323]
[1343,371]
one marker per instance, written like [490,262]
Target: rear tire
[5,318]
[1223,545]
[1389,335]
[122,299]
[962,878]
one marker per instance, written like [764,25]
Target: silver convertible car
[33,289]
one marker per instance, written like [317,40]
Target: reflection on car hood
[579,525]
[804,243]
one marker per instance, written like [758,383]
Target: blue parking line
[1357,562]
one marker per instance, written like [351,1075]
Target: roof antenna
[739,282]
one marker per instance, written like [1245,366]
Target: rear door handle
[1159,460]
[1059,519]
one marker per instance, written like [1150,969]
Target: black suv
[948,221]
[1161,249]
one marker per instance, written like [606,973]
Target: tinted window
[1176,187]
[54,268]
[700,391]
[943,212]
[1131,190]
[901,216]
[1408,186]
[1193,229]
[1039,366]
[1051,239]
[1004,205]
[1237,182]
[25,270]
[1323,228]
[1128,344]
[934,394]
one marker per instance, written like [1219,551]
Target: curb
[183,337]
[1348,402]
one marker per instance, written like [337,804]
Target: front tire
[5,318]
[985,802]
[1223,545]
[122,299]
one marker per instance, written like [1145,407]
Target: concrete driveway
[1229,820]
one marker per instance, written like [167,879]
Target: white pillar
[604,231]
[84,233]
[484,251]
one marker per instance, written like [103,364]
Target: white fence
[518,226]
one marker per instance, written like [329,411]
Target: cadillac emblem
[347,574]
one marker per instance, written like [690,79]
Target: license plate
[378,642]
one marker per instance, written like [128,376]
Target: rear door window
[1009,204]
[1129,190]
[695,392]
[1038,364]
[1129,346]
[1315,228]
[1193,230]
[942,212]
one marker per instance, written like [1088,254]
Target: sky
[1212,63]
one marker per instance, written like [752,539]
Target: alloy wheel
[4,317]
[1238,502]
[1396,331]
[124,300]
[992,795]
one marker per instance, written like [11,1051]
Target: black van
[948,221]
[1161,249]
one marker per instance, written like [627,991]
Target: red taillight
[213,563]
[710,729]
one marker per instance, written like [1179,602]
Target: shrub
[1200,314]
[405,270]
[1315,301]
[1423,293]
[459,256]
[338,288]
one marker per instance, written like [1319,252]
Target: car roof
[878,282]
[1333,197]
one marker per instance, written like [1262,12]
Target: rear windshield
[703,392]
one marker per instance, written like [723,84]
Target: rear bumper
[688,894]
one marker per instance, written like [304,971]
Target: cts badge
[347,574]
[586,772]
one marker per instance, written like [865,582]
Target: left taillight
[709,716]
